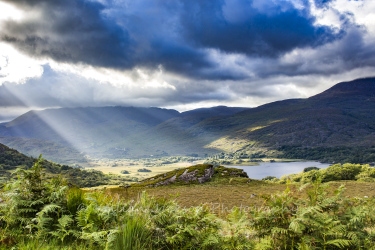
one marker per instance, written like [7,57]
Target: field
[157,166]
[223,196]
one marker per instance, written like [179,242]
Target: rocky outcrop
[187,177]
[197,174]
[194,174]
[165,182]
[208,173]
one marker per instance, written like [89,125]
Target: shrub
[144,170]
[310,168]
[341,172]
[268,178]
[133,235]
[75,200]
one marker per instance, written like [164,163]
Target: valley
[163,171]
[332,126]
[155,165]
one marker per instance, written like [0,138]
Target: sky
[180,54]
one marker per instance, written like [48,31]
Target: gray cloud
[211,51]
[69,31]
[261,32]
[174,34]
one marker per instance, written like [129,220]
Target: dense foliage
[330,154]
[37,213]
[337,172]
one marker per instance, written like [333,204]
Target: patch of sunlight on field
[228,144]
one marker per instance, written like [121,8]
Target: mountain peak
[358,87]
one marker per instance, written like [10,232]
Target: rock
[188,177]
[208,173]
[166,182]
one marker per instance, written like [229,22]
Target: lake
[278,169]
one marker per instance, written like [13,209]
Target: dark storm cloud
[349,53]
[243,28]
[69,31]
[174,34]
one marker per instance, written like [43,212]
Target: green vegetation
[337,172]
[52,151]
[330,154]
[37,213]
[144,170]
[11,159]
[229,172]
[125,172]
[310,169]
[268,178]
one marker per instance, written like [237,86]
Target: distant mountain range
[65,135]
[342,116]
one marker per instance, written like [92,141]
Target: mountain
[204,113]
[83,130]
[334,122]
[65,135]
[342,116]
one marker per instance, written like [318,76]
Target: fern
[64,228]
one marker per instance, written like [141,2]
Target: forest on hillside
[11,159]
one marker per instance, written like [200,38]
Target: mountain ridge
[343,115]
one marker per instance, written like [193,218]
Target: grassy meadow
[157,165]
[229,193]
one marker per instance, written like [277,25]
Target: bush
[144,170]
[268,178]
[341,172]
[125,172]
[310,168]
[75,200]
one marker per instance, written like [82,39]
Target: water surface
[278,169]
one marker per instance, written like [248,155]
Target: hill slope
[11,159]
[113,132]
[88,130]
[342,116]
[340,120]
[52,151]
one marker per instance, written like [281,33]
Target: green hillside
[52,151]
[332,126]
[342,116]
[11,159]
